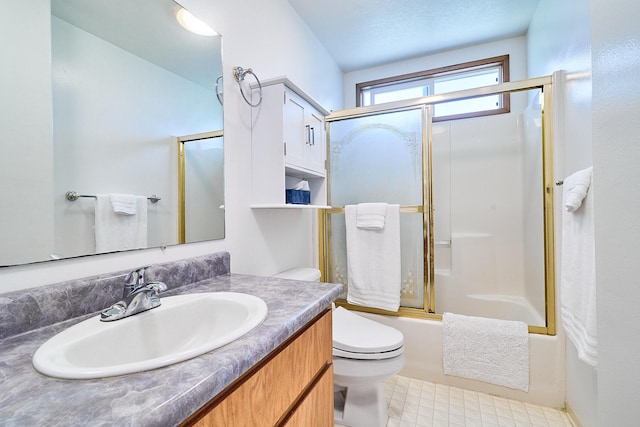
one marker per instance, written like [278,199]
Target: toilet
[365,354]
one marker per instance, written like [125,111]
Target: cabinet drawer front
[265,396]
[316,409]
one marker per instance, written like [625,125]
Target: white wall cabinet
[303,134]
[287,145]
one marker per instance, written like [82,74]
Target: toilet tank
[300,273]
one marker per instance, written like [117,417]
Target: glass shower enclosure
[476,198]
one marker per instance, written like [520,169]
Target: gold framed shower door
[545,84]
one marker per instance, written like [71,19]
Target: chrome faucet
[137,296]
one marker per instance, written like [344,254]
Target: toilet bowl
[365,354]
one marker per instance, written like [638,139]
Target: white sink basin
[183,327]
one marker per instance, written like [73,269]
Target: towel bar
[72,196]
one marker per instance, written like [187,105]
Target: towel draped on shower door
[121,222]
[373,255]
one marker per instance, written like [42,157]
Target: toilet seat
[355,337]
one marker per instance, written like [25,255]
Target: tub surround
[165,396]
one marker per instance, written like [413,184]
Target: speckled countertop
[161,397]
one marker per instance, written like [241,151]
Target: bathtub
[497,306]
[423,360]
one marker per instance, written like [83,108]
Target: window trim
[502,60]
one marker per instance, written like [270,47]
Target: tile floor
[415,403]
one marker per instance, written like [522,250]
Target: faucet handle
[152,289]
[155,287]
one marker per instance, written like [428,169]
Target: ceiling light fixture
[193,24]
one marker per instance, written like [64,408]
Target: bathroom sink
[184,326]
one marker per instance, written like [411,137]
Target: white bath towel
[371,215]
[578,274]
[125,204]
[373,261]
[116,232]
[575,189]
[490,350]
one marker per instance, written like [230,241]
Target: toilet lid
[355,334]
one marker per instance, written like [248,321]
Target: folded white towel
[575,189]
[371,215]
[578,273]
[490,350]
[124,204]
[116,232]
[373,261]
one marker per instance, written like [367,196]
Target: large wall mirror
[127,80]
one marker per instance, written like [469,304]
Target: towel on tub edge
[489,350]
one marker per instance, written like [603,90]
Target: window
[441,80]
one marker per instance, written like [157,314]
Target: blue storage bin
[298,197]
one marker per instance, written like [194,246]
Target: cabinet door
[294,132]
[303,134]
[315,153]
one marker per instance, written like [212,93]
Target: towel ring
[239,74]
[219,93]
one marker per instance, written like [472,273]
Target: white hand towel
[371,215]
[578,274]
[490,350]
[373,261]
[124,204]
[575,189]
[116,232]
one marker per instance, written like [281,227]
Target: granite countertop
[160,397]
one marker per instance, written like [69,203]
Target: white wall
[615,38]
[270,38]
[25,121]
[559,39]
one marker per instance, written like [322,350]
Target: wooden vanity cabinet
[310,412]
[292,386]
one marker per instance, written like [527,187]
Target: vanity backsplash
[25,310]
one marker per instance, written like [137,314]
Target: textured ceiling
[364,33]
